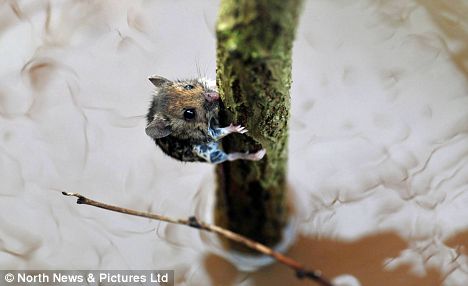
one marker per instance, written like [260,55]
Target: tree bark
[255,39]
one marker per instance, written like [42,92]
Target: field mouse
[183,121]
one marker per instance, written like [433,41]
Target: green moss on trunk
[254,78]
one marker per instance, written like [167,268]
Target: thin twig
[301,271]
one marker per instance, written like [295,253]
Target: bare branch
[301,271]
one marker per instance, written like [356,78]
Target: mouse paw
[236,129]
[247,156]
[257,155]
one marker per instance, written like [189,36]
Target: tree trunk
[254,77]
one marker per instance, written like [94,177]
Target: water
[377,156]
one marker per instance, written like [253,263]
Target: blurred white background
[378,139]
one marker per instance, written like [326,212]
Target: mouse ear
[158,128]
[158,80]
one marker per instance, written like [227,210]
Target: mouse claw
[259,155]
[237,129]
[246,156]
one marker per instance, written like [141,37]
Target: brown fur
[172,132]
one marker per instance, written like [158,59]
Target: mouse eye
[188,87]
[189,114]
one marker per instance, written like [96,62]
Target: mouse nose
[211,96]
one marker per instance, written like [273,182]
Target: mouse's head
[182,108]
